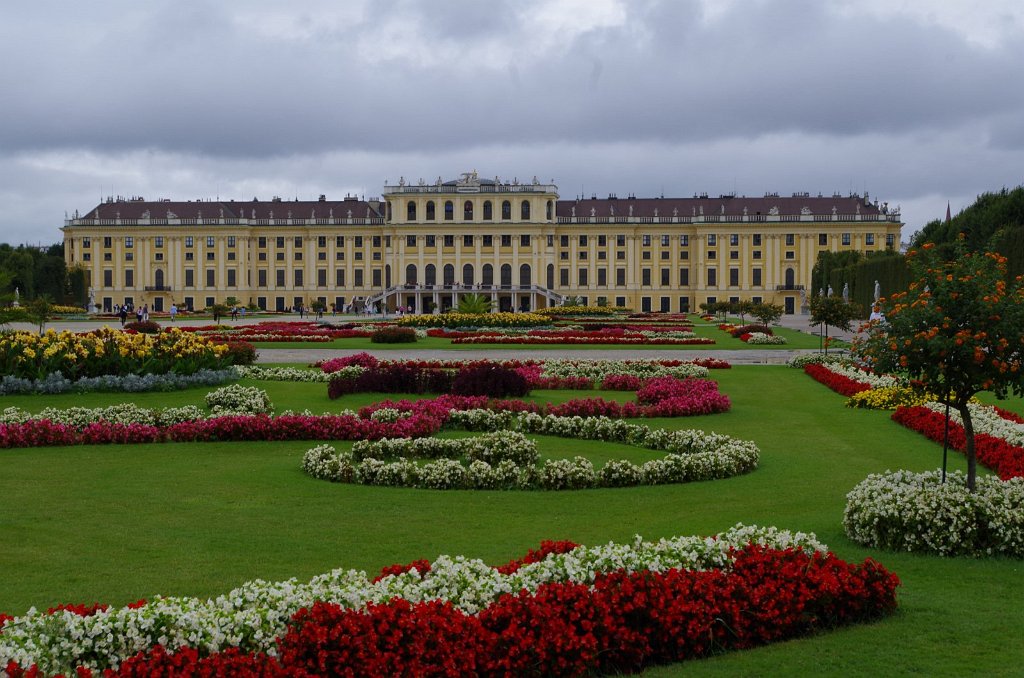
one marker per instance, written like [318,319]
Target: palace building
[421,246]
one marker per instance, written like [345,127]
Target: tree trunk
[972,460]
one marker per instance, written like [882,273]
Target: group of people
[124,310]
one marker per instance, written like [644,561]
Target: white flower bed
[872,380]
[817,358]
[287,373]
[237,399]
[505,459]
[985,420]
[908,511]
[254,614]
[599,369]
[765,339]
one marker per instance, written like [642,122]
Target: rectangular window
[734,277]
[756,254]
[734,239]
[790,254]
[298,241]
[488,241]
[890,240]
[665,255]
[449,241]
[261,278]
[822,239]
[339,277]
[646,240]
[209,241]
[563,255]
[583,241]
[231,241]
[358,240]
[297,277]
[582,274]
[158,241]
[620,277]
[298,255]
[188,241]
[645,304]
[129,256]
[790,239]
[620,240]
[563,240]
[190,277]
[129,241]
[189,256]
[506,240]
[321,277]
[734,255]
[620,302]
[665,240]
[583,255]
[712,254]
[129,277]
[467,241]
[279,275]
[602,255]
[666,278]
[87,242]
[869,239]
[339,241]
[375,277]
[684,277]
[602,277]
[261,242]
[712,277]
[410,241]
[320,256]
[108,278]
[645,276]
[602,241]
[232,278]
[757,240]
[620,255]
[279,242]
[524,240]
[431,241]
[563,277]
[210,256]
[211,277]
[376,256]
[279,256]
[646,255]
[684,240]
[339,256]
[666,304]
[712,240]
[846,238]
[756,277]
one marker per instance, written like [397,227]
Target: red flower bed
[624,623]
[837,382]
[995,453]
[597,339]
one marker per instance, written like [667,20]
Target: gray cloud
[615,96]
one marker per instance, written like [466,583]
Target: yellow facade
[425,245]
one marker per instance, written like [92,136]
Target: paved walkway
[308,355]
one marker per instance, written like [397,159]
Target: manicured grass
[117,523]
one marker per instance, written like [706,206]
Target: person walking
[174,311]
[123,314]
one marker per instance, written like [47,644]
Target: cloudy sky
[917,102]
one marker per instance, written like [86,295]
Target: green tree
[743,309]
[957,331]
[572,301]
[475,304]
[39,310]
[833,311]
[767,314]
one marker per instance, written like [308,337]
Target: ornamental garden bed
[203,518]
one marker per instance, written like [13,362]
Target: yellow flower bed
[889,398]
[66,310]
[577,310]
[106,351]
[475,320]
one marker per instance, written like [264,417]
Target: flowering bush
[143,327]
[908,511]
[284,374]
[237,399]
[789,579]
[389,378]
[761,338]
[889,398]
[361,359]
[490,380]
[240,353]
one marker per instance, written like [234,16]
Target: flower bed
[840,383]
[106,352]
[504,459]
[274,331]
[455,320]
[610,608]
[55,382]
[998,441]
[908,511]
[601,337]
[760,338]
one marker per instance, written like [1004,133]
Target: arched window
[487,275]
[449,210]
[790,279]
[429,275]
[410,211]
[524,210]
[506,210]
[467,211]
[158,278]
[430,211]
[488,213]
[551,210]
[524,275]
[387,276]
[467,274]
[410,274]
[506,275]
[449,274]
[551,276]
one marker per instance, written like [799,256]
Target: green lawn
[118,523]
